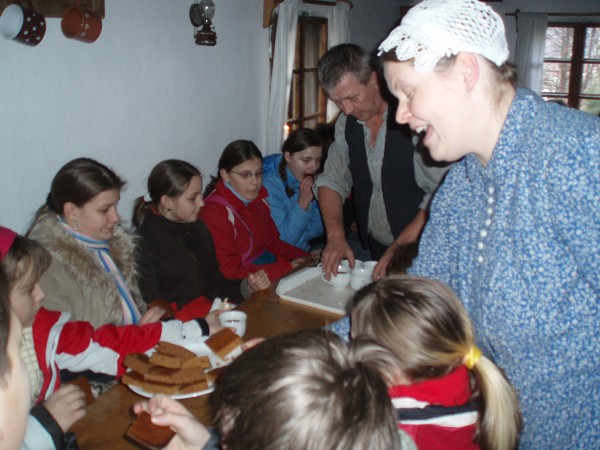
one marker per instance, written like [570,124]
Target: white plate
[200,349]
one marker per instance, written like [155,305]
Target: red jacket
[431,427]
[77,346]
[242,233]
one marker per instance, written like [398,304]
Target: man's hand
[335,250]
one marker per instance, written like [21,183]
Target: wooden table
[108,417]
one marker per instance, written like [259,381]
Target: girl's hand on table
[258,281]
[67,405]
[190,434]
[152,315]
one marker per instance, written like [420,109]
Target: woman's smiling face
[431,103]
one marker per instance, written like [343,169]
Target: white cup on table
[235,320]
[339,281]
[360,277]
[370,265]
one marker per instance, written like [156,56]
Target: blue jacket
[295,225]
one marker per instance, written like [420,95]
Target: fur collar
[84,268]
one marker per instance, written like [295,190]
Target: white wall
[372,20]
[143,92]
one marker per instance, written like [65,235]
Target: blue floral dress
[519,242]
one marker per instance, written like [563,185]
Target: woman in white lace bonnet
[514,229]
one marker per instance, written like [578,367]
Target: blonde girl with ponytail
[448,394]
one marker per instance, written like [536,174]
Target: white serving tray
[307,288]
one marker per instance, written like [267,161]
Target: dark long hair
[78,182]
[171,178]
[297,141]
[234,154]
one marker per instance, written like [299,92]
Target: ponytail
[499,417]
[140,208]
[283,175]
[211,186]
[427,328]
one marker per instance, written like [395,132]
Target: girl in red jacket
[237,214]
[448,396]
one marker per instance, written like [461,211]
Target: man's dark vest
[401,194]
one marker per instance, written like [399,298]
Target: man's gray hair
[342,60]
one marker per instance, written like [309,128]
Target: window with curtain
[572,65]
[308,102]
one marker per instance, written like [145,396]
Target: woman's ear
[224,175]
[287,156]
[70,212]
[400,378]
[166,203]
[468,65]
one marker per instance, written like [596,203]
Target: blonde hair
[426,327]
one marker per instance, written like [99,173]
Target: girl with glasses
[238,216]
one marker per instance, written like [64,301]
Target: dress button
[480,245]
[483,233]
[490,200]
[491,189]
[490,211]
[488,222]
[480,259]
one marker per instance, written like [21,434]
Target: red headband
[7,237]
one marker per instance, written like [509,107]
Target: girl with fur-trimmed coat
[93,269]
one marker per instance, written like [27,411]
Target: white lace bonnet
[436,28]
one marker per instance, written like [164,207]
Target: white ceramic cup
[360,277]
[357,263]
[235,320]
[339,281]
[370,265]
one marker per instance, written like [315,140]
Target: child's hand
[258,281]
[152,315]
[67,405]
[212,320]
[251,343]
[190,434]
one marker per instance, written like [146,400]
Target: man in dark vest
[375,157]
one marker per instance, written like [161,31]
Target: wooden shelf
[55,8]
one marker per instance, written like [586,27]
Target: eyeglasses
[247,175]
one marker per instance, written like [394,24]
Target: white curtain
[281,76]
[529,53]
[338,32]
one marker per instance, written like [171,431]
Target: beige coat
[75,282]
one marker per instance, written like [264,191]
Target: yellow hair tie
[472,357]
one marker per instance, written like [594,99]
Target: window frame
[298,119]
[574,96]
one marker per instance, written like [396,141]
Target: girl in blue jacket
[289,177]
